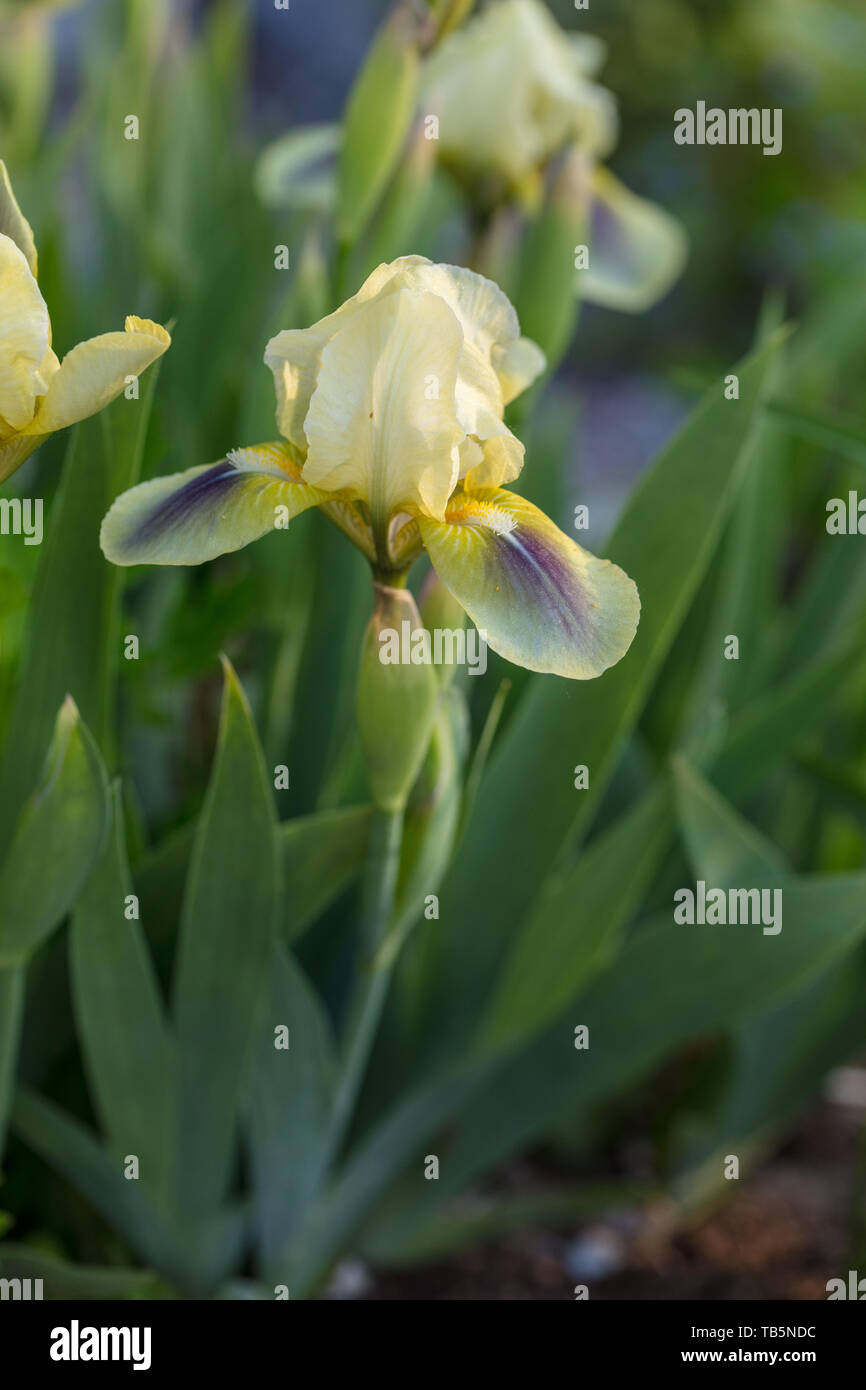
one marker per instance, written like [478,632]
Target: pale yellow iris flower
[39,394]
[511,89]
[391,412]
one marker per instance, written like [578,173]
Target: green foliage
[279,999]
[225,948]
[128,1052]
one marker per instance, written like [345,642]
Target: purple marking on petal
[531,559]
[183,504]
[608,234]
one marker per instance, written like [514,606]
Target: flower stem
[365,1009]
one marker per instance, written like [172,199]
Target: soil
[781,1234]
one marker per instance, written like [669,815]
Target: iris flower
[511,90]
[531,91]
[391,415]
[38,394]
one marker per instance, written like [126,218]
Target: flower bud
[548,282]
[377,120]
[440,611]
[397,692]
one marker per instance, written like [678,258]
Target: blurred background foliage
[726,535]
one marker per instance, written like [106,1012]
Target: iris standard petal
[13,223]
[637,250]
[487,317]
[382,425]
[539,599]
[95,372]
[191,517]
[490,455]
[495,363]
[484,311]
[25,335]
[517,365]
[295,355]
[500,460]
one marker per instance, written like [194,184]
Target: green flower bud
[396,697]
[546,297]
[377,120]
[441,611]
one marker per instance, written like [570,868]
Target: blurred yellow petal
[25,335]
[590,53]
[190,517]
[637,250]
[95,372]
[13,223]
[537,597]
[511,88]
[382,423]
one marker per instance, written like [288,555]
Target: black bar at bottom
[153,1339]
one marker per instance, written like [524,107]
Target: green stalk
[365,1010]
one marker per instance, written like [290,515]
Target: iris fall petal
[190,517]
[541,601]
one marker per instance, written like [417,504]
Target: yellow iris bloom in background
[391,411]
[39,394]
[511,89]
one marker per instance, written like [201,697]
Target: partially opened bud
[549,278]
[442,615]
[397,691]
